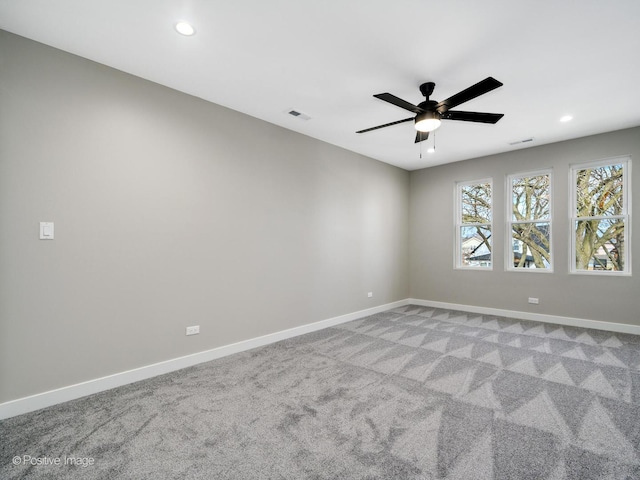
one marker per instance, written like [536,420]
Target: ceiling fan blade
[421,136]
[472,116]
[398,102]
[470,93]
[385,125]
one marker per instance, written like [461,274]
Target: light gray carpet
[412,393]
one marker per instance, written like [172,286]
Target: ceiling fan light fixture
[427,121]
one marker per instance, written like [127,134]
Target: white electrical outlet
[193,330]
[370,294]
[534,300]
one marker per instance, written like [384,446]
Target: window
[600,217]
[473,224]
[529,221]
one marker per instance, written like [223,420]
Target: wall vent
[518,142]
[298,114]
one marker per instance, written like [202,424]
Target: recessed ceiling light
[431,150]
[566,118]
[185,28]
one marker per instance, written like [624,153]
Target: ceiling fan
[430,113]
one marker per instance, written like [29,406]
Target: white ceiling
[327,58]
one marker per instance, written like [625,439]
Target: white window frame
[457,254]
[626,216]
[508,254]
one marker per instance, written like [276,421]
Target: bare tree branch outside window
[474,224]
[600,218]
[531,221]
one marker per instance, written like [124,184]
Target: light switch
[46,230]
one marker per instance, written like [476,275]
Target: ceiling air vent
[298,114]
[518,142]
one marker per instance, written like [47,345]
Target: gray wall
[432,237]
[170,211]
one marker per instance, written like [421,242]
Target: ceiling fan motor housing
[429,105]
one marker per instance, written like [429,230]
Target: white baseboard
[72,392]
[538,317]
